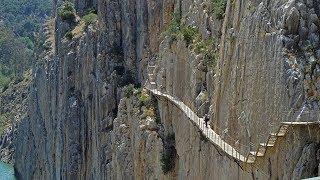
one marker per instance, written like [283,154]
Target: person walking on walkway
[206,120]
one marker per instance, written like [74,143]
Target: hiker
[206,120]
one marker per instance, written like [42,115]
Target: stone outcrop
[136,144]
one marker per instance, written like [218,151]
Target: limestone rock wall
[267,68]
[294,156]
[71,130]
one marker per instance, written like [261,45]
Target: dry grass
[149,112]
[50,32]
[79,29]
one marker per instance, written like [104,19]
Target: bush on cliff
[4,122]
[206,48]
[67,11]
[218,8]
[144,98]
[128,91]
[69,35]
[189,33]
[4,82]
[90,18]
[193,38]
[173,29]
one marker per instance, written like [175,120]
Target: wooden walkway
[212,136]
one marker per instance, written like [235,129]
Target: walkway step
[262,150]
[151,77]
[272,140]
[283,130]
[250,158]
[264,145]
[276,134]
[255,153]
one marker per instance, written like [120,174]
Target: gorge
[120,90]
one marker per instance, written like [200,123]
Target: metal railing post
[232,151]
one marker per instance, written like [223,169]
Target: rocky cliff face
[13,109]
[250,69]
[268,68]
[71,130]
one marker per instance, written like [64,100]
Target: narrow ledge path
[212,136]
[215,138]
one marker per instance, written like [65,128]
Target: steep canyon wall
[84,122]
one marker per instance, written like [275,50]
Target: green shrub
[309,47]
[174,27]
[149,112]
[91,10]
[167,160]
[144,98]
[192,37]
[67,11]
[218,8]
[90,18]
[137,91]
[128,91]
[206,48]
[189,33]
[46,46]
[69,35]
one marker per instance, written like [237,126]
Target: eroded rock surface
[84,123]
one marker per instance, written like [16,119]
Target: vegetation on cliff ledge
[67,11]
[194,39]
[218,8]
[88,19]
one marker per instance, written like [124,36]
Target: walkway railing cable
[211,135]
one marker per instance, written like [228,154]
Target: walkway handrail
[207,131]
[215,138]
